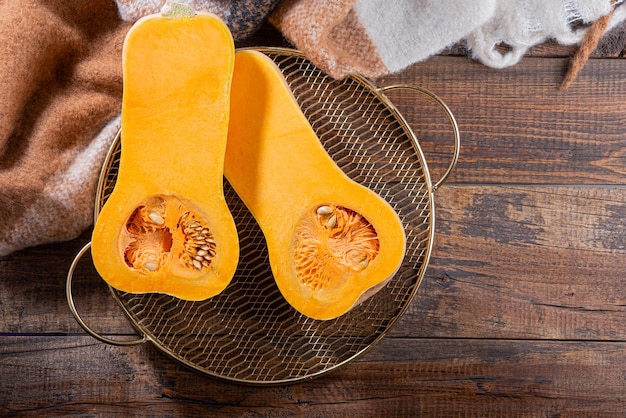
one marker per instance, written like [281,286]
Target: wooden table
[521,312]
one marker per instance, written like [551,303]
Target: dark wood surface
[522,310]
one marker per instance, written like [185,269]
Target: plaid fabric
[378,37]
[61,81]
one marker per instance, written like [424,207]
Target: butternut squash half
[166,227]
[332,243]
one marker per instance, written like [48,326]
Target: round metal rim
[77,316]
[147,335]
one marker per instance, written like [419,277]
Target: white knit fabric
[378,37]
[421,29]
[521,24]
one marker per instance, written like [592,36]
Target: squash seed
[324,210]
[156,217]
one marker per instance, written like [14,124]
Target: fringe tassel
[587,46]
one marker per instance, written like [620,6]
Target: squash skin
[175,113]
[278,167]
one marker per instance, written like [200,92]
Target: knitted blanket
[61,83]
[61,77]
[377,37]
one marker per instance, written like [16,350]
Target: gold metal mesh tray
[249,333]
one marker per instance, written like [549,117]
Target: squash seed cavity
[163,229]
[331,243]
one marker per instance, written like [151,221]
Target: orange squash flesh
[166,227]
[332,243]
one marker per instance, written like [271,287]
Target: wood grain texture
[400,377]
[521,311]
[525,262]
[516,125]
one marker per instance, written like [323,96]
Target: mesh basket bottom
[249,333]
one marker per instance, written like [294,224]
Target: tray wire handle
[451,118]
[81,322]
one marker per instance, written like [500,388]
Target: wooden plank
[32,292]
[399,377]
[525,262]
[516,125]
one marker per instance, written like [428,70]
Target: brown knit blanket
[61,81]
[60,77]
